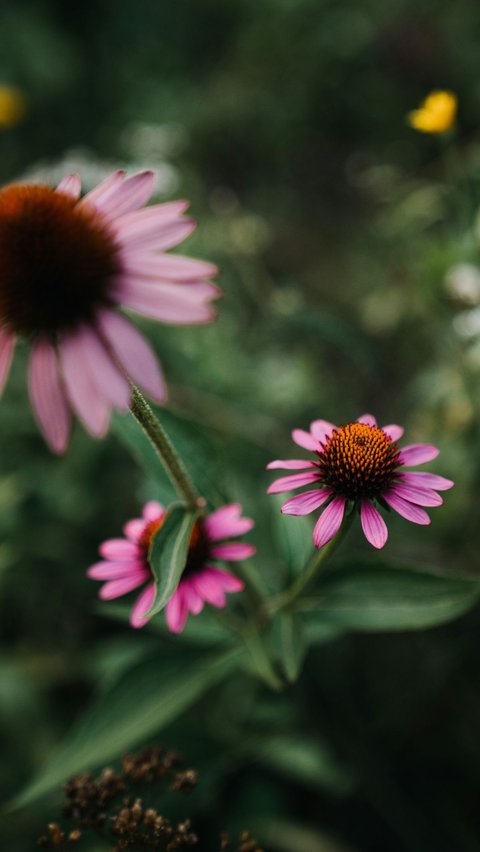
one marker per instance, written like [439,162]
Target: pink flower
[66,265]
[355,466]
[125,564]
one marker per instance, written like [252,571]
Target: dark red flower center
[57,261]
[358,461]
[198,547]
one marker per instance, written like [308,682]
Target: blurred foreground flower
[66,265]
[356,465]
[12,106]
[126,565]
[436,113]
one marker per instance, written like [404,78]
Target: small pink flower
[355,466]
[66,265]
[125,564]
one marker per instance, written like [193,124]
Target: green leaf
[168,553]
[294,537]
[135,440]
[292,644]
[205,630]
[258,661]
[385,597]
[138,705]
[309,761]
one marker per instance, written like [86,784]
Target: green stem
[312,570]
[171,460]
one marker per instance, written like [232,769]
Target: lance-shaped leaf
[292,644]
[168,553]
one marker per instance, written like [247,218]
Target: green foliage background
[283,121]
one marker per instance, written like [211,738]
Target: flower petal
[192,599]
[419,496]
[169,302]
[329,522]
[115,570]
[405,509]
[118,588]
[322,429]
[306,440]
[152,233]
[287,483]
[418,454]
[70,185]
[227,522]
[134,529]
[7,345]
[153,510]
[119,549]
[112,384]
[133,193]
[373,525]
[233,551]
[90,406]
[100,193]
[369,419]
[227,580]
[171,267]
[303,504]
[47,396]
[427,480]
[134,354]
[393,431]
[209,588]
[290,464]
[176,611]
[138,616]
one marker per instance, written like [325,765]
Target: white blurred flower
[462,283]
[467,323]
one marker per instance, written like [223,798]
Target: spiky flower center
[198,546]
[358,461]
[57,261]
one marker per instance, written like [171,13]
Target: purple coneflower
[66,265]
[126,566]
[357,465]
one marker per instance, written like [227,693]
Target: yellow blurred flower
[12,106]
[436,113]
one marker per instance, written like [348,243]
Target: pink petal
[369,419]
[427,480]
[48,396]
[419,496]
[329,522]
[303,504]
[290,464]
[150,232]
[321,429]
[192,599]
[134,529]
[133,193]
[305,440]
[70,185]
[405,509]
[373,525]
[418,454]
[176,612]
[119,549]
[227,523]
[210,588]
[111,383]
[393,431]
[138,616]
[153,510]
[92,408]
[115,570]
[168,302]
[7,345]
[134,354]
[287,483]
[233,551]
[100,193]
[171,267]
[228,581]
[117,588]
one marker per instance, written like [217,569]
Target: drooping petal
[119,549]
[111,383]
[369,419]
[287,483]
[142,606]
[134,354]
[405,509]
[169,302]
[129,195]
[153,510]
[209,588]
[115,570]
[169,267]
[90,406]
[427,480]
[232,551]
[192,599]
[7,345]
[303,504]
[373,525]
[47,396]
[227,522]
[71,185]
[117,588]
[419,496]
[306,440]
[329,522]
[227,580]
[321,429]
[176,611]
[290,464]
[418,454]
[393,431]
